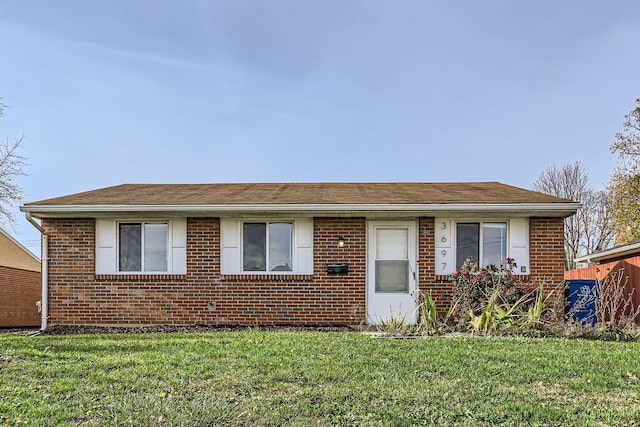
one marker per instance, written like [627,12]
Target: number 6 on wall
[444,250]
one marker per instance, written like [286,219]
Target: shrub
[474,286]
[491,300]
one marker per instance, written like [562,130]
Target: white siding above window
[106,260]
[519,244]
[107,246]
[445,252]
[304,245]
[178,237]
[445,243]
[231,250]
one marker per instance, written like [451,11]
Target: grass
[306,378]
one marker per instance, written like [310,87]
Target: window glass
[143,246]
[267,246]
[485,243]
[392,262]
[155,247]
[494,243]
[254,243]
[391,243]
[280,246]
[392,276]
[130,240]
[467,242]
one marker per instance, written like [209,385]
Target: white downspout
[45,271]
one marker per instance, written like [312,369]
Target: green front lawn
[307,378]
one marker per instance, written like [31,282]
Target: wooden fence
[631,268]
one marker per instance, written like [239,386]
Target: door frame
[407,302]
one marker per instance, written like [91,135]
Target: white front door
[391,266]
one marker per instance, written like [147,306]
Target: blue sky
[135,91]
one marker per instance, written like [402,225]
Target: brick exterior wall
[203,296]
[546,258]
[19,291]
[78,296]
[546,262]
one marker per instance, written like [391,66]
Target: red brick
[78,296]
[19,292]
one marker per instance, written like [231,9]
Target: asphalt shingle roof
[303,193]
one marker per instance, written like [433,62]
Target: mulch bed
[85,329]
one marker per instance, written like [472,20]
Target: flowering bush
[473,286]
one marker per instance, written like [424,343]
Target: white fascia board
[610,253]
[559,209]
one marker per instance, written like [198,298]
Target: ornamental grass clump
[426,315]
[395,326]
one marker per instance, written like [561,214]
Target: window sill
[273,277]
[139,277]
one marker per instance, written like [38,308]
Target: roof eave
[519,209]
[605,255]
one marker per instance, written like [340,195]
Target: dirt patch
[87,329]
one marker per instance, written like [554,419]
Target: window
[488,241]
[143,246]
[267,246]
[485,242]
[132,246]
[392,260]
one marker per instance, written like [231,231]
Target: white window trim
[142,224]
[108,249]
[294,263]
[231,251]
[267,222]
[480,238]
[518,243]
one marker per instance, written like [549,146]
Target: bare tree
[11,166]
[591,229]
[597,218]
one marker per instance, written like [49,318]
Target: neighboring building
[20,284]
[314,253]
[601,264]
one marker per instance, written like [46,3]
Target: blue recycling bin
[582,297]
